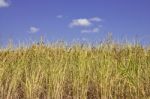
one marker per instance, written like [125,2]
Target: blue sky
[69,20]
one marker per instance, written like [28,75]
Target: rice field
[78,71]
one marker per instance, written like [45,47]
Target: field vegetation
[78,71]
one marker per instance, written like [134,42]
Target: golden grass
[107,71]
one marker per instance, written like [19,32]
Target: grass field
[80,71]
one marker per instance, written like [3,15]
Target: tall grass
[56,71]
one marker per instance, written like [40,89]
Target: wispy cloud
[4,3]
[33,29]
[82,22]
[95,19]
[59,16]
[94,30]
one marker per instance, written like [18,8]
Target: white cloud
[87,25]
[83,22]
[33,29]
[59,16]
[4,3]
[95,19]
[94,30]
